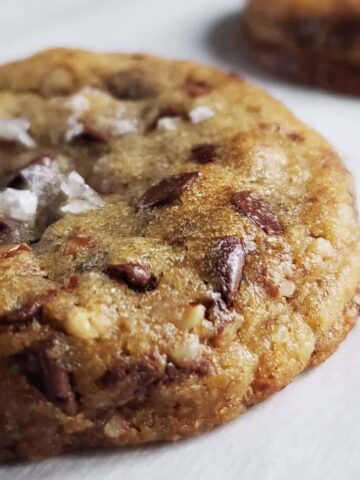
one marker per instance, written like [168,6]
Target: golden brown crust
[212,268]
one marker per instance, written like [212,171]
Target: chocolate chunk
[203,153]
[22,315]
[130,382]
[174,372]
[48,376]
[229,264]
[28,312]
[132,84]
[136,276]
[258,212]
[168,190]
[197,87]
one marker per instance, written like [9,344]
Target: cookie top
[160,217]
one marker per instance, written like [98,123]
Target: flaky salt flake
[80,197]
[43,178]
[77,206]
[19,204]
[201,113]
[168,124]
[77,103]
[118,127]
[16,130]
[74,129]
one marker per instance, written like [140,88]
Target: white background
[311,430]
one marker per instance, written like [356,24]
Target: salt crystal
[77,103]
[16,130]
[118,126]
[74,129]
[201,113]
[19,204]
[169,124]
[80,197]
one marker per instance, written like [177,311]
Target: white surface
[309,431]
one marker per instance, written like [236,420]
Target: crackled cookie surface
[174,247]
[315,42]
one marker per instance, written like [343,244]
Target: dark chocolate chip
[135,276]
[229,264]
[132,84]
[22,315]
[168,190]
[258,212]
[48,376]
[203,153]
[130,382]
[32,310]
[174,372]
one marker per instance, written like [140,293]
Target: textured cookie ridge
[174,247]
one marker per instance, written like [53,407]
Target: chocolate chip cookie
[175,246]
[314,42]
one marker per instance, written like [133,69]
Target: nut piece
[187,351]
[115,427]
[193,316]
[89,324]
[287,288]
[322,247]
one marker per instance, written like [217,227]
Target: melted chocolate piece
[135,276]
[47,375]
[130,382]
[229,264]
[258,212]
[168,190]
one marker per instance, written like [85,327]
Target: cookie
[175,246]
[317,43]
